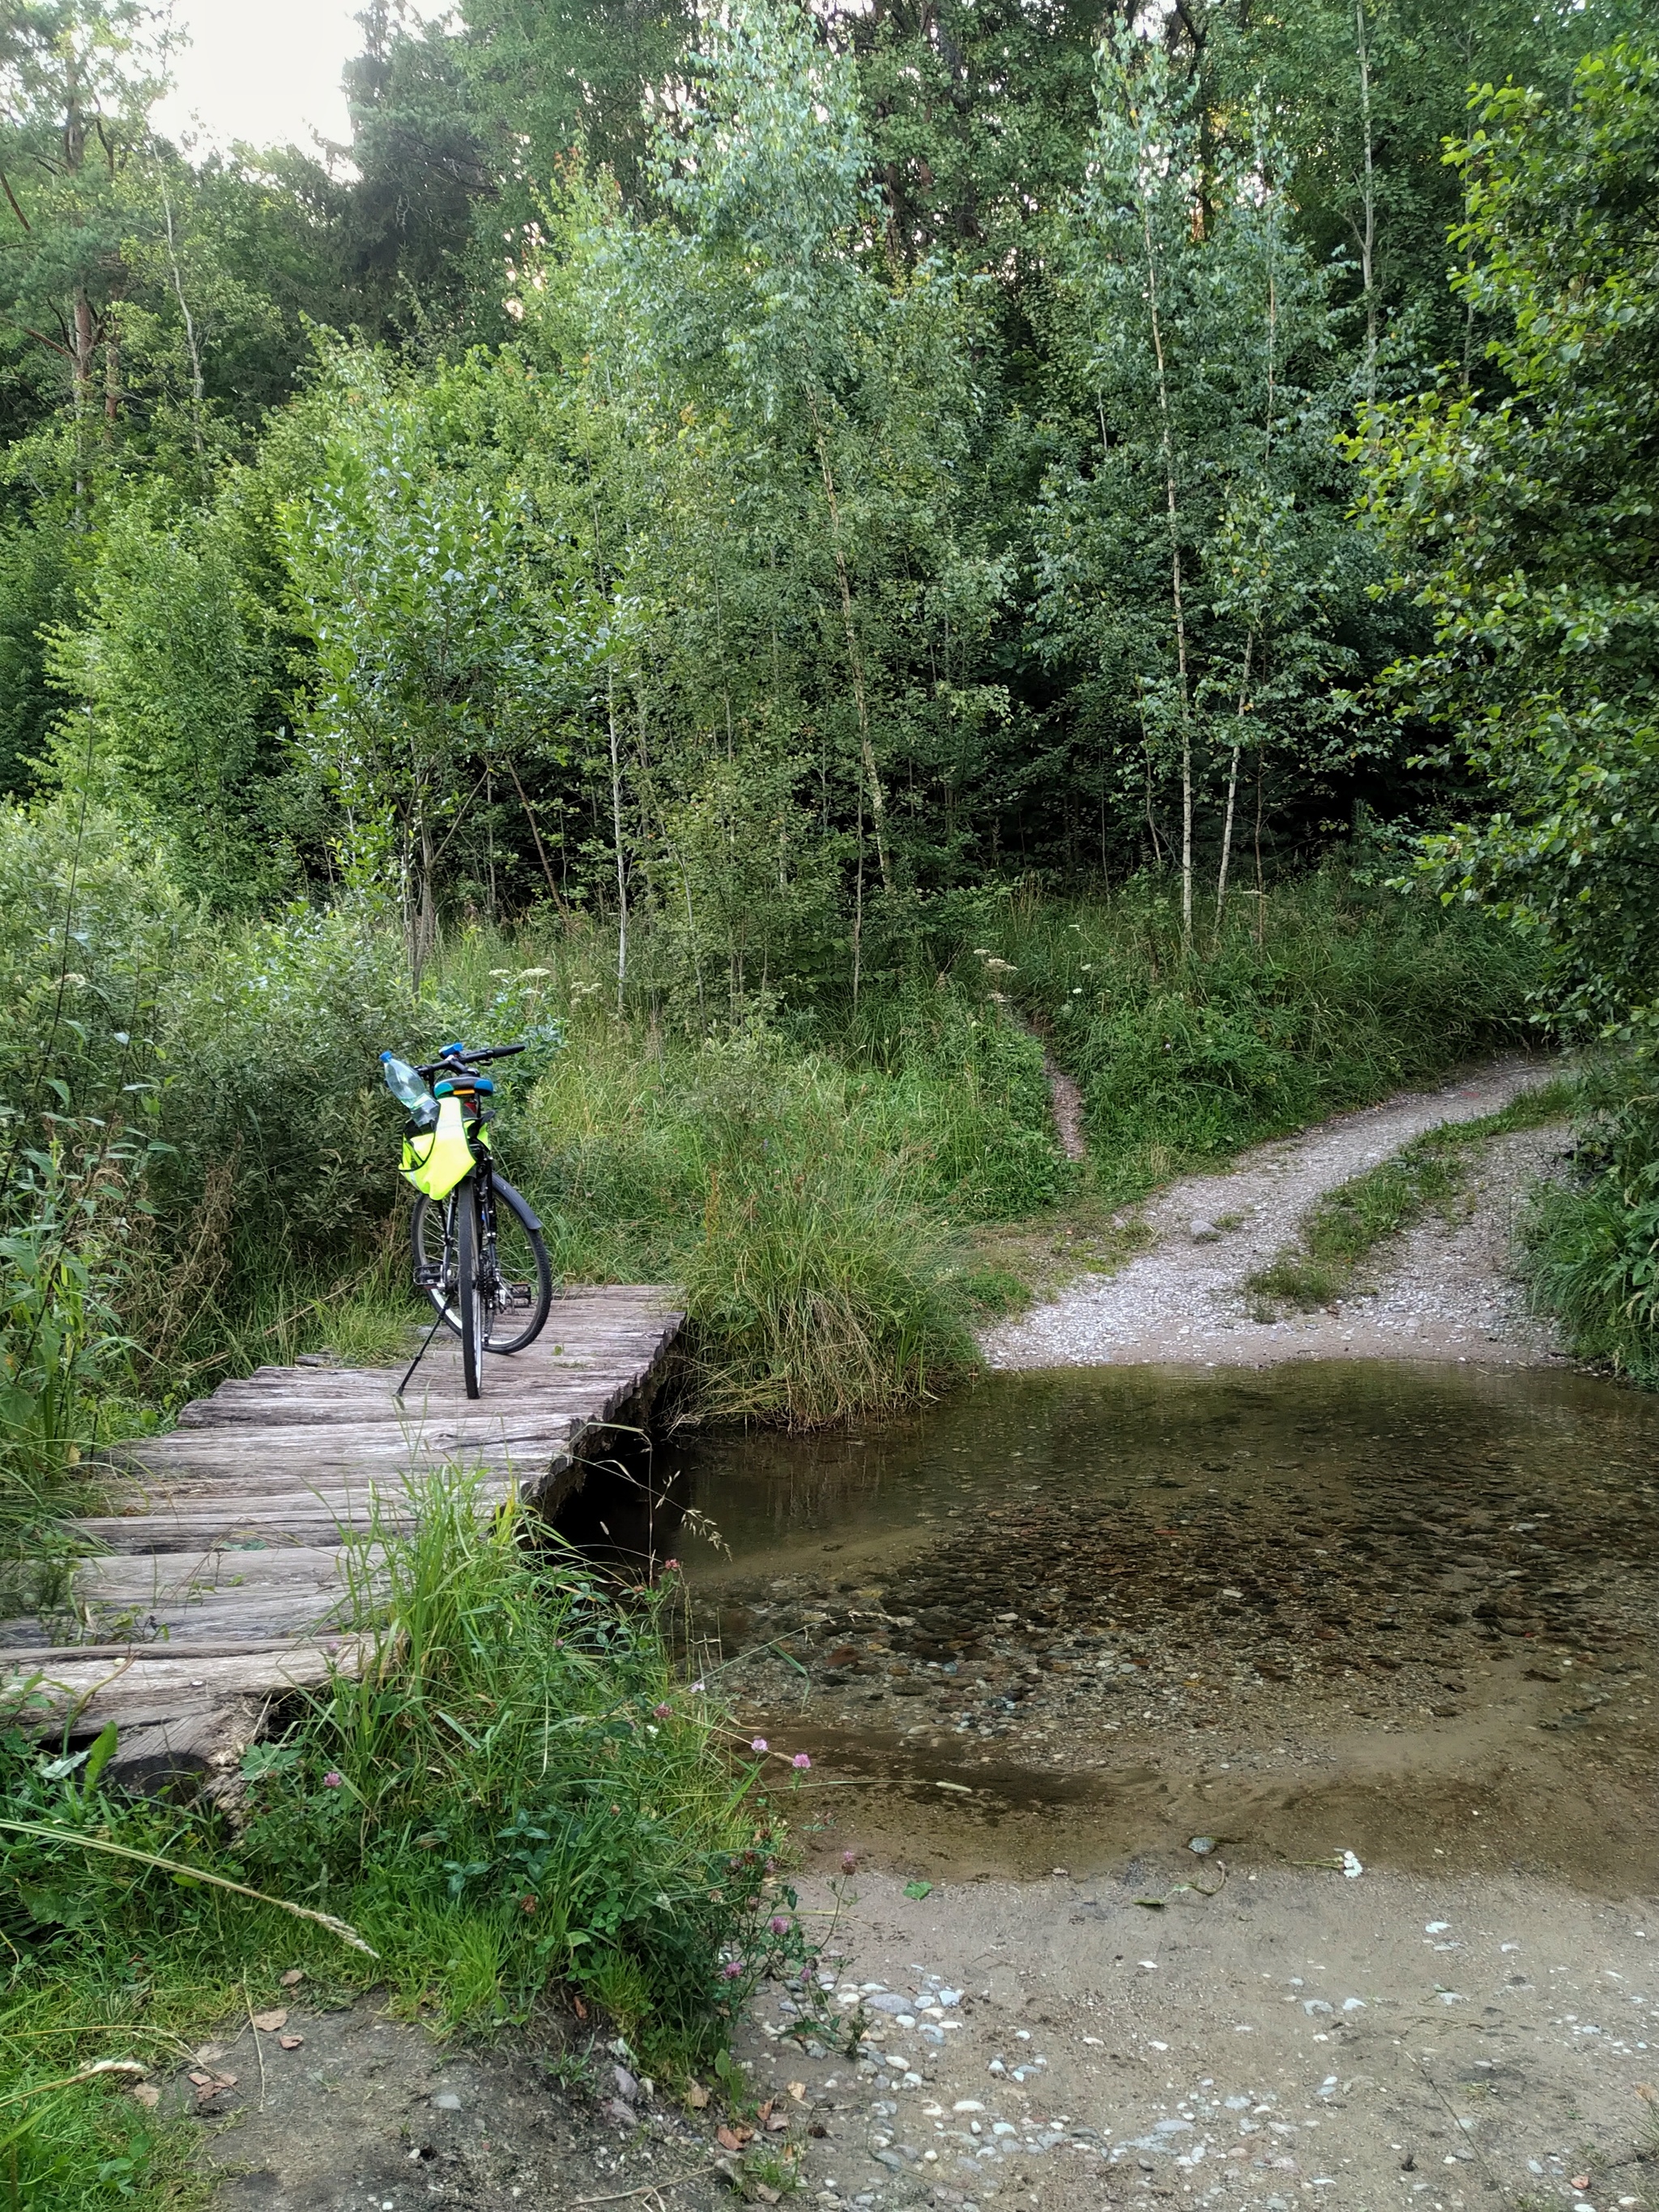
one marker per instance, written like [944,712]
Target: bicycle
[476,1244]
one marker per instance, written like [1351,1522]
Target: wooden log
[175,1755]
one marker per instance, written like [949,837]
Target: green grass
[1591,1244]
[1353,992]
[530,1799]
[1429,1175]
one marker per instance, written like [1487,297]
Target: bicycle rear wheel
[520,1286]
[520,1290]
[469,1287]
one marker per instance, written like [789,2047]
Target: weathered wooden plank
[186,1748]
[303,1445]
[137,1689]
[225,1539]
[267,1610]
[210,1569]
[145,1648]
[364,1440]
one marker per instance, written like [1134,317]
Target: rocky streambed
[1262,1593]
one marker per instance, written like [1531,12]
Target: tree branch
[41,337]
[5,185]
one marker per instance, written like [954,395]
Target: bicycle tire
[431,1254]
[469,1287]
[541,1290]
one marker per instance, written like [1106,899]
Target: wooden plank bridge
[220,1576]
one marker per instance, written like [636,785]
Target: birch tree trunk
[1172,508]
[1368,201]
[854,659]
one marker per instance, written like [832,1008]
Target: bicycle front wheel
[469,1287]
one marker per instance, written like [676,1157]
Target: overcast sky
[267,71]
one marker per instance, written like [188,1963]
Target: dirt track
[1443,1292]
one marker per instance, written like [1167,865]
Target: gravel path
[1441,1291]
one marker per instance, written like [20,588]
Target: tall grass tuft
[526,1798]
[1591,1245]
[819,1292]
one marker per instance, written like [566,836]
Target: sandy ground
[1298,2038]
[1443,1293]
[371,2114]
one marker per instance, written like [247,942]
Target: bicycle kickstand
[437,1322]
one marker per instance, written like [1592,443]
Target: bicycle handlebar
[455,1057]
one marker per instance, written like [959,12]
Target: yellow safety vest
[435,1160]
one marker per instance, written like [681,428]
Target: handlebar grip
[451,1053]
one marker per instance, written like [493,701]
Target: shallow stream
[1404,1610]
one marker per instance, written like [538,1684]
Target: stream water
[1404,1610]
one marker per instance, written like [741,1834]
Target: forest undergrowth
[531,1802]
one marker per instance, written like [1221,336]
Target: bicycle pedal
[515,1294]
[428,1278]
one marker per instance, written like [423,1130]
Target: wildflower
[333,1779]
[849,1861]
[731,1970]
[696,1689]
[663,1712]
[778,1924]
[526,1904]
[800,1762]
[670,1566]
[759,1744]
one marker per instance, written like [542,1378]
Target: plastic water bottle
[409,1088]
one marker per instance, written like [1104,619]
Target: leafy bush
[1592,1244]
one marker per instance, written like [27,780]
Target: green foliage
[1592,1243]
[433,647]
[1365,98]
[1193,561]
[1352,992]
[529,1796]
[176,666]
[60,1339]
[1524,517]
[36,594]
